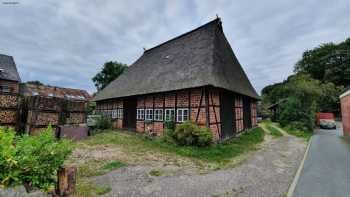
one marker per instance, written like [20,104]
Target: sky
[65,43]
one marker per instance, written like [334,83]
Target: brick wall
[193,99]
[110,108]
[11,85]
[345,111]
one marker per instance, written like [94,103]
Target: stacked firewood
[75,118]
[8,101]
[7,117]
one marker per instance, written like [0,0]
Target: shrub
[189,133]
[103,123]
[31,160]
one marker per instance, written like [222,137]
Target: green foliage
[292,130]
[90,108]
[103,123]
[218,153]
[303,96]
[113,165]
[32,160]
[189,134]
[328,63]
[110,71]
[36,82]
[274,131]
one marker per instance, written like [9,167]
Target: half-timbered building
[195,77]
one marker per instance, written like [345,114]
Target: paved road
[326,172]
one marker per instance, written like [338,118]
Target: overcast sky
[65,42]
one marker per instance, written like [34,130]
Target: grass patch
[219,153]
[302,134]
[113,165]
[155,173]
[87,189]
[98,168]
[100,190]
[274,131]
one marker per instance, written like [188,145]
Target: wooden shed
[195,76]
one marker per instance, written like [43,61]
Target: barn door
[226,115]
[247,118]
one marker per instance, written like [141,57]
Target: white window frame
[158,114]
[114,113]
[168,113]
[180,115]
[148,114]
[120,113]
[140,115]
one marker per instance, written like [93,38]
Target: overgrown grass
[221,152]
[113,165]
[87,189]
[302,134]
[98,168]
[274,131]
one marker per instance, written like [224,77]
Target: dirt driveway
[266,172]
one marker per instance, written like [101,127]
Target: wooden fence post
[66,181]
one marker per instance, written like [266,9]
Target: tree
[110,71]
[36,82]
[328,63]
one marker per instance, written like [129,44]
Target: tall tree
[327,63]
[36,82]
[110,71]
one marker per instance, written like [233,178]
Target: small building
[9,77]
[9,89]
[345,111]
[195,77]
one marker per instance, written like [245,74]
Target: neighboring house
[194,76]
[52,91]
[9,77]
[345,111]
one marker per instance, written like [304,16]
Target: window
[182,115]
[50,94]
[120,114]
[149,114]
[140,114]
[5,89]
[239,114]
[115,113]
[158,114]
[169,114]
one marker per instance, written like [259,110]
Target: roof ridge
[218,20]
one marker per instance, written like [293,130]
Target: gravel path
[267,172]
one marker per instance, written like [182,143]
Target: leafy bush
[31,160]
[189,133]
[294,113]
[103,123]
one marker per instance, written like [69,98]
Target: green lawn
[215,153]
[302,134]
[274,131]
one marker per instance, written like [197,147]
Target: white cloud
[65,42]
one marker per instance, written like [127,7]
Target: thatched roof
[198,58]
[8,69]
